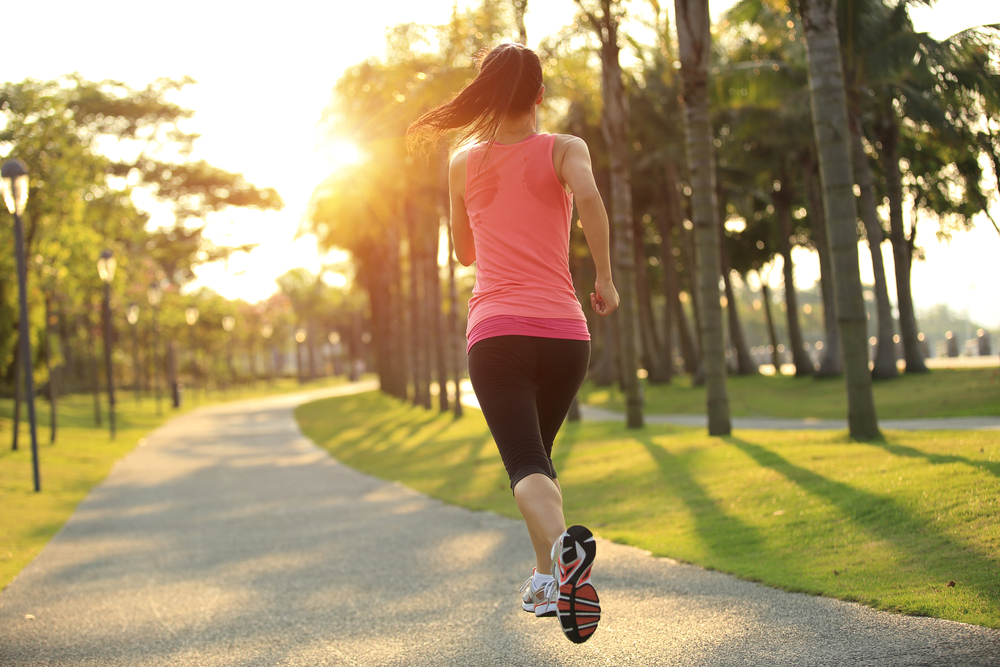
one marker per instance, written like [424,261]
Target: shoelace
[548,591]
[551,590]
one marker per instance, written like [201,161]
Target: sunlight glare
[340,153]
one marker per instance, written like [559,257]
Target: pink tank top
[520,218]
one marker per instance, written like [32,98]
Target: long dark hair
[508,82]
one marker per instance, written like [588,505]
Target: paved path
[228,538]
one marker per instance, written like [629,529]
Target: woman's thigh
[562,368]
[501,370]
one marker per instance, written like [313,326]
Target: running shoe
[578,606]
[539,601]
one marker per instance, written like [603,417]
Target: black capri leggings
[525,386]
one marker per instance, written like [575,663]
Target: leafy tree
[89,145]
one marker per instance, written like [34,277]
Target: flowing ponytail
[510,76]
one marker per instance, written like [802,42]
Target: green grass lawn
[940,393]
[907,525]
[79,460]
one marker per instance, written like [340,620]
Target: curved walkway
[228,538]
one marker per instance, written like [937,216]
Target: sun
[340,153]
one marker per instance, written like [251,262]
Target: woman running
[529,348]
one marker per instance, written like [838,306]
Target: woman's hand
[604,299]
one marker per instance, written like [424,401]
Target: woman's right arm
[576,172]
[461,230]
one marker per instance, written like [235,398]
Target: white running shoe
[539,601]
[578,606]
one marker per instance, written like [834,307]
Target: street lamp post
[154,294]
[265,331]
[132,315]
[15,193]
[229,323]
[300,337]
[106,270]
[191,316]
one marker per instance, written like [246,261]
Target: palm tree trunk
[688,341]
[665,224]
[783,209]
[885,355]
[651,353]
[675,210]
[454,336]
[396,302]
[765,293]
[745,365]
[691,262]
[694,41]
[434,314]
[902,253]
[830,362]
[381,336]
[419,341]
[603,372]
[614,124]
[829,110]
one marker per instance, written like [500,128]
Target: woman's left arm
[461,230]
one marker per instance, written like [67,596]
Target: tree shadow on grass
[568,436]
[885,519]
[390,426]
[727,538]
[992,467]
[355,412]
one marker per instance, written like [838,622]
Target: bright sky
[265,72]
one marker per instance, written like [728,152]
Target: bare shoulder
[565,142]
[570,155]
[457,169]
[566,145]
[460,159]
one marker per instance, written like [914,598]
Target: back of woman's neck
[513,131]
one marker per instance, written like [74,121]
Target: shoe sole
[578,608]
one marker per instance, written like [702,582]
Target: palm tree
[695,50]
[829,105]
[885,354]
[658,138]
[764,105]
[605,25]
[923,102]
[358,212]
[831,361]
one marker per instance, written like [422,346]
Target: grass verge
[940,393]
[905,525]
[79,460]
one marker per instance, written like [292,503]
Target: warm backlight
[340,154]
